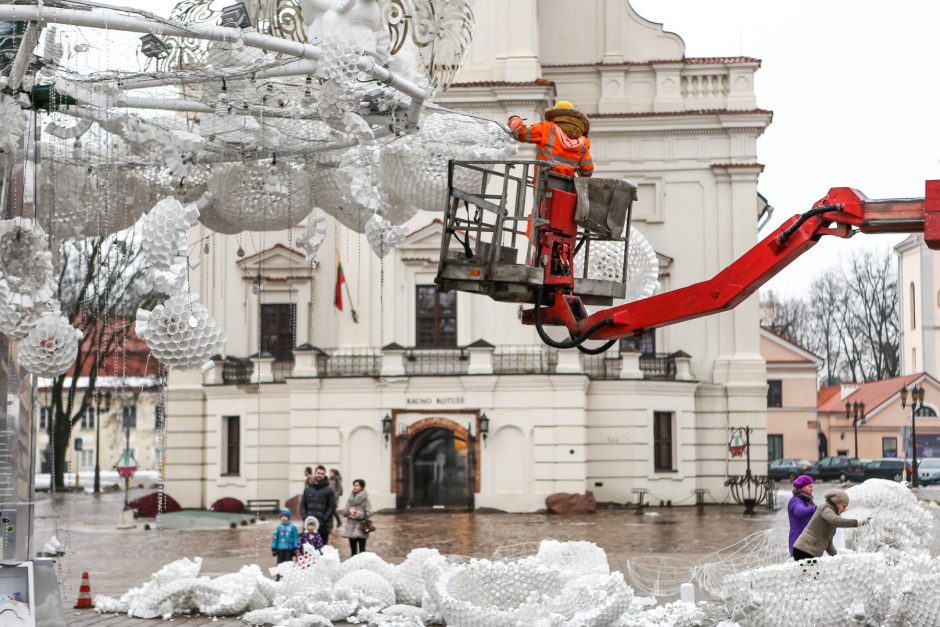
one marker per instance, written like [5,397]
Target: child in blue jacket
[284,541]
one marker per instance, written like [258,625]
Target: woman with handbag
[358,513]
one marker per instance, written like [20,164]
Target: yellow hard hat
[563,104]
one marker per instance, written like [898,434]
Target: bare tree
[101,283]
[849,318]
[787,317]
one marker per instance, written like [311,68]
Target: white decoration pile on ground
[897,522]
[563,584]
[886,580]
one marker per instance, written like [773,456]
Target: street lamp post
[855,412]
[917,403]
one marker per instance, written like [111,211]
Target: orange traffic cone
[84,594]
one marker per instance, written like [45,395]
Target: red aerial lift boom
[842,212]
[490,236]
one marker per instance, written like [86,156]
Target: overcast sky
[855,93]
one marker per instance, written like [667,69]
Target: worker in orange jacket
[561,139]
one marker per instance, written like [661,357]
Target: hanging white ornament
[50,347]
[258,196]
[414,169]
[383,236]
[25,258]
[180,332]
[13,121]
[163,231]
[313,237]
[20,312]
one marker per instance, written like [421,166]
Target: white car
[928,470]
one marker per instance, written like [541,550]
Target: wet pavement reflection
[118,559]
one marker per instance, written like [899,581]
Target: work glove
[273,552]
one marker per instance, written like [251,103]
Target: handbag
[368,526]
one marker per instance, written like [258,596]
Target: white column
[481,357]
[569,362]
[630,366]
[521,63]
[262,368]
[393,361]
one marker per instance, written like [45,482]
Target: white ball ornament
[50,347]
[180,332]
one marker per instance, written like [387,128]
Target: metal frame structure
[488,227]
[306,54]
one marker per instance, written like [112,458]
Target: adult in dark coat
[319,501]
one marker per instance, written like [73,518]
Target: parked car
[928,470]
[840,469]
[887,468]
[788,468]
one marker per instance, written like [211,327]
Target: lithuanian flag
[340,279]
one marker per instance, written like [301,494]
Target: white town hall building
[447,399]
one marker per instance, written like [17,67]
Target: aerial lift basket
[496,212]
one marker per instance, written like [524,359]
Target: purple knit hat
[802,481]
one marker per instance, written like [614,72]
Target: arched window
[913,308]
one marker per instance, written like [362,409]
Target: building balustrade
[479,358]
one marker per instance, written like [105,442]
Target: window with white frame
[86,459]
[88,418]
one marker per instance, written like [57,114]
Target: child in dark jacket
[310,536]
[284,540]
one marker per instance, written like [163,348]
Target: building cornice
[749,61]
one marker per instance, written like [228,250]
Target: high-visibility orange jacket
[567,156]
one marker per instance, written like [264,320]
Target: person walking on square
[285,539]
[358,513]
[310,536]
[801,507]
[816,539]
[319,501]
[336,482]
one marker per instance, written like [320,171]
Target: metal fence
[440,361]
[352,362]
[524,359]
[602,366]
[658,366]
[236,371]
[507,360]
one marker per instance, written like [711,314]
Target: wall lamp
[484,426]
[387,428]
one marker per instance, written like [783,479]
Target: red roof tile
[826,393]
[540,82]
[873,394]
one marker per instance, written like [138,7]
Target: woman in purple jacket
[801,507]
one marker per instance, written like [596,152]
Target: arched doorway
[436,466]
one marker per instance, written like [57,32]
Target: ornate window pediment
[278,263]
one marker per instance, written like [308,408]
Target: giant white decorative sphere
[180,332]
[258,196]
[163,231]
[50,347]
[606,264]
